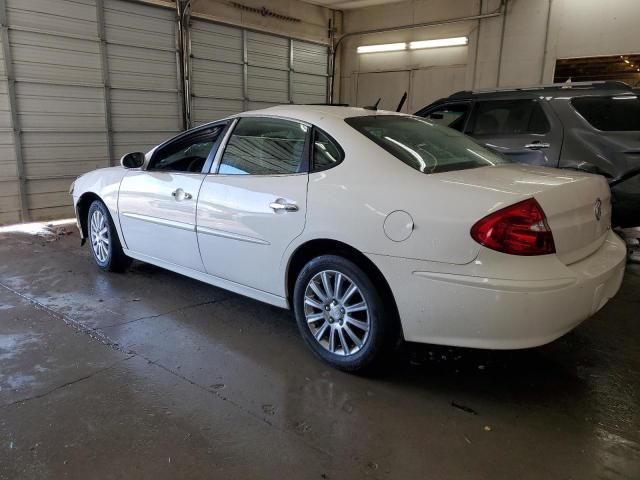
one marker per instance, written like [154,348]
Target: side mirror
[436,116]
[132,160]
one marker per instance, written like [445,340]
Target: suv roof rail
[601,85]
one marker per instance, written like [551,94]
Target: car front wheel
[104,241]
[341,315]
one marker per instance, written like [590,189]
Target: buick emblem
[597,209]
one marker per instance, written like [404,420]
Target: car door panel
[254,204]
[501,130]
[158,215]
[157,206]
[241,237]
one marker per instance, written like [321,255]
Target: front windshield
[423,145]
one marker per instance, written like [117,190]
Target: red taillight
[520,229]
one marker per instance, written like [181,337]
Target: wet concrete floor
[149,374]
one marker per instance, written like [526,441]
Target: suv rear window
[423,145]
[610,114]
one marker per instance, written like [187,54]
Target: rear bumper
[502,302]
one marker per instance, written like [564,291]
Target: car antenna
[374,106]
[402,100]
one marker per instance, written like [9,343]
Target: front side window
[450,115]
[326,153]
[265,146]
[611,114]
[186,154]
[423,145]
[509,117]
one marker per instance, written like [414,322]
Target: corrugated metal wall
[84,81]
[9,181]
[234,69]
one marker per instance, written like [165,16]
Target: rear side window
[326,152]
[451,115]
[619,114]
[509,117]
[423,145]
[265,146]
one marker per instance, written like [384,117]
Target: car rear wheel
[341,315]
[104,241]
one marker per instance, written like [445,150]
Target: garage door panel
[126,142]
[141,68]
[388,86]
[215,42]
[310,58]
[49,168]
[267,51]
[77,17]
[9,203]
[54,59]
[43,106]
[61,148]
[139,25]
[8,169]
[52,212]
[217,80]
[145,106]
[309,88]
[209,109]
[435,83]
[268,85]
[136,110]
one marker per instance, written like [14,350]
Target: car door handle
[536,145]
[280,206]
[180,194]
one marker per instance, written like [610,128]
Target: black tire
[110,257]
[382,332]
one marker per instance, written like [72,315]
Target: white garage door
[9,182]
[59,97]
[234,69]
[142,64]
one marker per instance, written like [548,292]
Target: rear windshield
[423,145]
[611,114]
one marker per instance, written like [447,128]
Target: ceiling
[350,4]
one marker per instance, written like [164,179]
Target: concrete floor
[152,375]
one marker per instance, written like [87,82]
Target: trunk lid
[577,205]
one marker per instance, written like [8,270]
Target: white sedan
[372,226]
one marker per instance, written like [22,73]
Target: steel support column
[245,72]
[290,93]
[13,107]
[106,91]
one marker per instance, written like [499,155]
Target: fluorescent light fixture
[439,42]
[385,47]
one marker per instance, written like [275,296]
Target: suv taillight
[520,229]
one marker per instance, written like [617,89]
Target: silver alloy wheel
[100,240]
[337,313]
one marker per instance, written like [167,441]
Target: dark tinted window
[452,115]
[508,117]
[423,145]
[326,153]
[264,146]
[620,113]
[186,154]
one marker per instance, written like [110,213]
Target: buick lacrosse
[371,226]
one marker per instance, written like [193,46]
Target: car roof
[311,113]
[551,91]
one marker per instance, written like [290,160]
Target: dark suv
[591,127]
